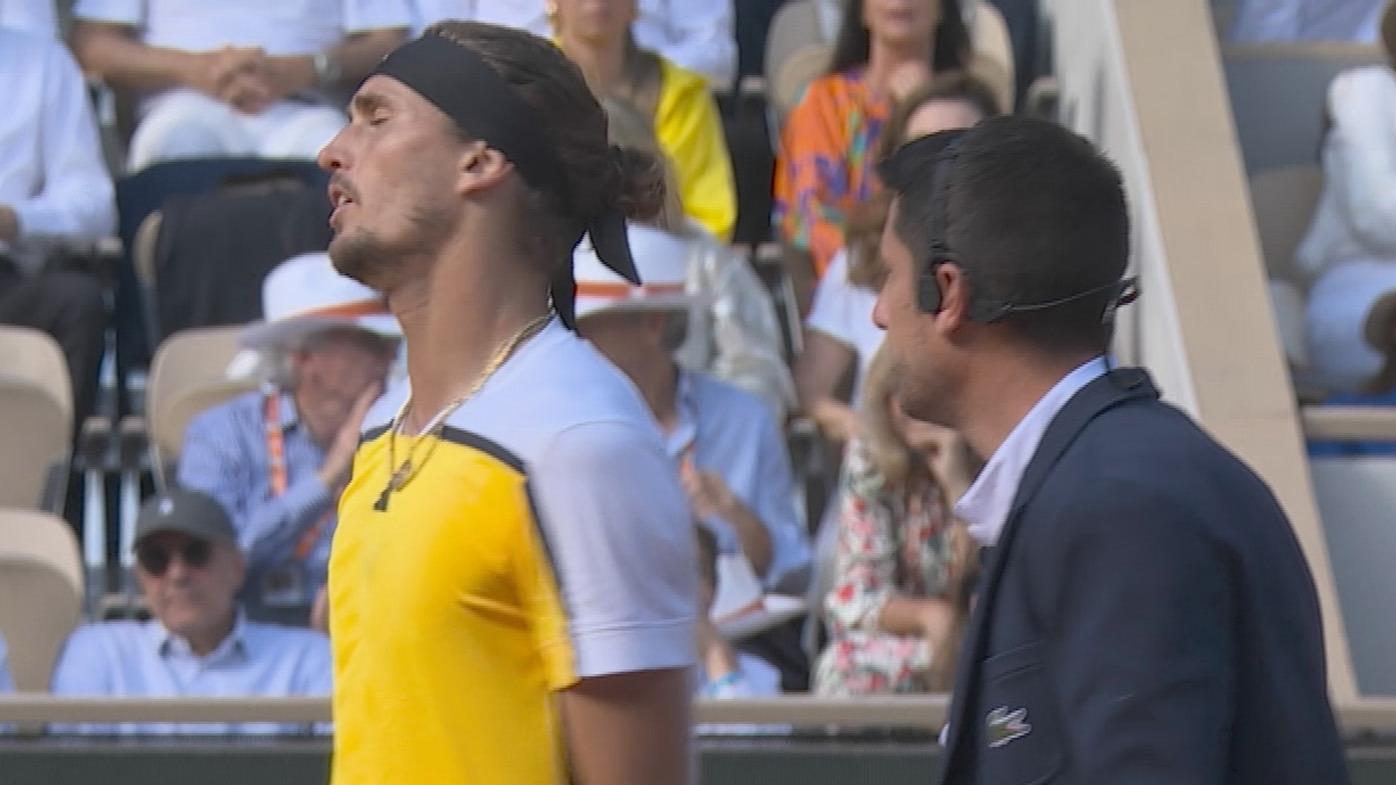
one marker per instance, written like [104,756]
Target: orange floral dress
[825,166]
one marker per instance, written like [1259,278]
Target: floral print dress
[892,539]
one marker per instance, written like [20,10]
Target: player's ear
[481,166]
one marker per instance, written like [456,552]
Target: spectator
[736,337]
[1273,21]
[884,50]
[897,606]
[697,35]
[277,460]
[839,331]
[257,77]
[54,192]
[35,17]
[722,671]
[198,644]
[729,453]
[1350,249]
[596,35]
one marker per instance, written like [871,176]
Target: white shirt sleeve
[619,531]
[695,34]
[832,310]
[363,16]
[77,201]
[36,17]
[1360,155]
[122,12]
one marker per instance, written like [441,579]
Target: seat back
[794,74]
[993,59]
[188,376]
[42,582]
[36,405]
[794,28]
[1283,202]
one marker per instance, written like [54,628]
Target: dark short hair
[1034,213]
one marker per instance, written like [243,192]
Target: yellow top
[510,566]
[689,129]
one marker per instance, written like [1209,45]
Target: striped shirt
[226,455]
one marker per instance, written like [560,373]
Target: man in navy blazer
[1146,615]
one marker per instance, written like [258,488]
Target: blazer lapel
[1115,387]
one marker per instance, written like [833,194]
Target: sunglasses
[155,558]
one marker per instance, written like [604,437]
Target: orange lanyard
[276,468]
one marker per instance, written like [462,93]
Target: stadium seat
[41,579]
[794,29]
[188,376]
[36,405]
[993,54]
[1283,202]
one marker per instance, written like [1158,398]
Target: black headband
[466,89]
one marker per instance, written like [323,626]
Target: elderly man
[198,644]
[257,77]
[278,459]
[729,452]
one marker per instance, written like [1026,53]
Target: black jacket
[1147,617]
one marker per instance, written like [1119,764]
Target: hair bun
[640,188]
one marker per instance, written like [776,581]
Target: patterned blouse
[825,166]
[893,539]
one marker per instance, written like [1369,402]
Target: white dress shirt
[51,168]
[1264,21]
[985,507]
[143,659]
[696,34]
[281,27]
[29,16]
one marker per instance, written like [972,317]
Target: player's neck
[1003,390]
[457,317]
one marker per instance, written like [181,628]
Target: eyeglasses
[155,557]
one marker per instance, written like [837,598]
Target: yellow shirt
[689,128]
[509,567]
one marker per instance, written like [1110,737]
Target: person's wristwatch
[327,70]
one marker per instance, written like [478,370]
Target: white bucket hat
[661,259]
[305,295]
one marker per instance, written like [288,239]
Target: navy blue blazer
[1147,617]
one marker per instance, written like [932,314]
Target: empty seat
[41,585]
[36,405]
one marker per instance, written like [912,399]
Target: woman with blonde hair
[898,599]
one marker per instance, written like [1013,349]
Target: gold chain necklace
[408,469]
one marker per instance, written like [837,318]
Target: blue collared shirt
[985,507]
[730,433]
[143,659]
[225,454]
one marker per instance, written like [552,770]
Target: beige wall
[1143,78]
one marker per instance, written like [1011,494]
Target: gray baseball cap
[186,512]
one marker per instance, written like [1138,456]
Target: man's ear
[481,167]
[956,299]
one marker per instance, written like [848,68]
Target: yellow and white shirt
[544,539]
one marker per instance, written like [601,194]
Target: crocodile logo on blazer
[1003,725]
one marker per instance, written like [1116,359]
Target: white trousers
[1336,317]
[186,124]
